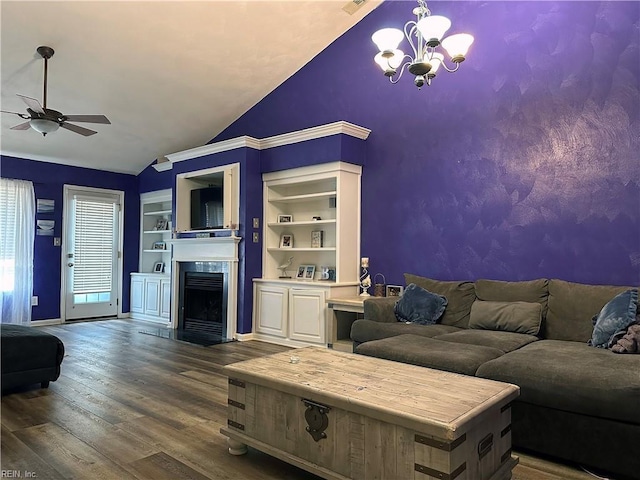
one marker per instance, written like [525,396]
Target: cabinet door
[137,295]
[152,296]
[307,313]
[165,298]
[270,314]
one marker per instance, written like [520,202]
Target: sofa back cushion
[528,291]
[460,296]
[517,317]
[572,307]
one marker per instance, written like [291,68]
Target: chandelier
[428,31]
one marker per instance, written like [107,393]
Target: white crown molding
[162,166]
[312,133]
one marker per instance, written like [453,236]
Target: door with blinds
[91,245]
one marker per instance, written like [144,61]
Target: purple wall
[48,181]
[523,164]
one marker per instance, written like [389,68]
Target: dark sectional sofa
[577,402]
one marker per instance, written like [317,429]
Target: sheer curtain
[17,231]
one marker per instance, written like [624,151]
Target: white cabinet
[150,297]
[291,309]
[155,232]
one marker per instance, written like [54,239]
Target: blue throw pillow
[615,316]
[418,305]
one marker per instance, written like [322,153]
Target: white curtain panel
[17,232]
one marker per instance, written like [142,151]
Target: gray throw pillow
[614,317]
[418,305]
[518,317]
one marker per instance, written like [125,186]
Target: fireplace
[202,298]
[205,286]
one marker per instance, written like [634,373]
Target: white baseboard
[243,337]
[49,321]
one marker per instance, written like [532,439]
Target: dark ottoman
[29,356]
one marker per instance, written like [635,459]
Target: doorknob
[69,264]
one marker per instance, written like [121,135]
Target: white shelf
[302,249]
[158,213]
[302,223]
[307,197]
[157,231]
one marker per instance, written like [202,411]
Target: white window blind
[9,222]
[93,254]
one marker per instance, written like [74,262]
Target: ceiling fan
[45,120]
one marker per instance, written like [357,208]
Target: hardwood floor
[136,406]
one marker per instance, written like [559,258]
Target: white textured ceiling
[169,75]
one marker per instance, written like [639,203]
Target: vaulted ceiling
[169,75]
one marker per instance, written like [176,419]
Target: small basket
[379,288]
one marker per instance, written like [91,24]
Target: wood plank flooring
[135,406]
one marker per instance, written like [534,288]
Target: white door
[307,311]
[270,314]
[90,250]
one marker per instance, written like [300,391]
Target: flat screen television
[207,208]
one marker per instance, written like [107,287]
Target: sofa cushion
[427,352]
[418,305]
[460,296]
[573,377]
[518,317]
[614,318]
[505,341]
[571,308]
[526,291]
[366,330]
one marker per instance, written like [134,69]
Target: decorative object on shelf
[285,218]
[315,219]
[394,290]
[317,239]
[306,272]
[428,30]
[159,246]
[379,287]
[161,224]
[309,272]
[283,268]
[365,278]
[327,273]
[158,267]
[286,240]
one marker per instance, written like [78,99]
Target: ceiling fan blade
[32,103]
[88,118]
[22,126]
[77,129]
[21,115]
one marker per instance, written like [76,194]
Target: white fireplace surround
[213,249]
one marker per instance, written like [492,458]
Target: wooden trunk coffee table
[346,416]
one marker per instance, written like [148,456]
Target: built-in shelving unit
[298,202]
[151,285]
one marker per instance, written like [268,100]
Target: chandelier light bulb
[457,46]
[433,28]
[389,63]
[437,59]
[387,39]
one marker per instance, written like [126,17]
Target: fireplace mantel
[224,249]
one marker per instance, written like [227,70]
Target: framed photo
[159,246]
[285,218]
[161,224]
[158,267]
[301,270]
[317,239]
[309,271]
[286,240]
[394,290]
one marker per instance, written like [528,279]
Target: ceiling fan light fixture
[44,125]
